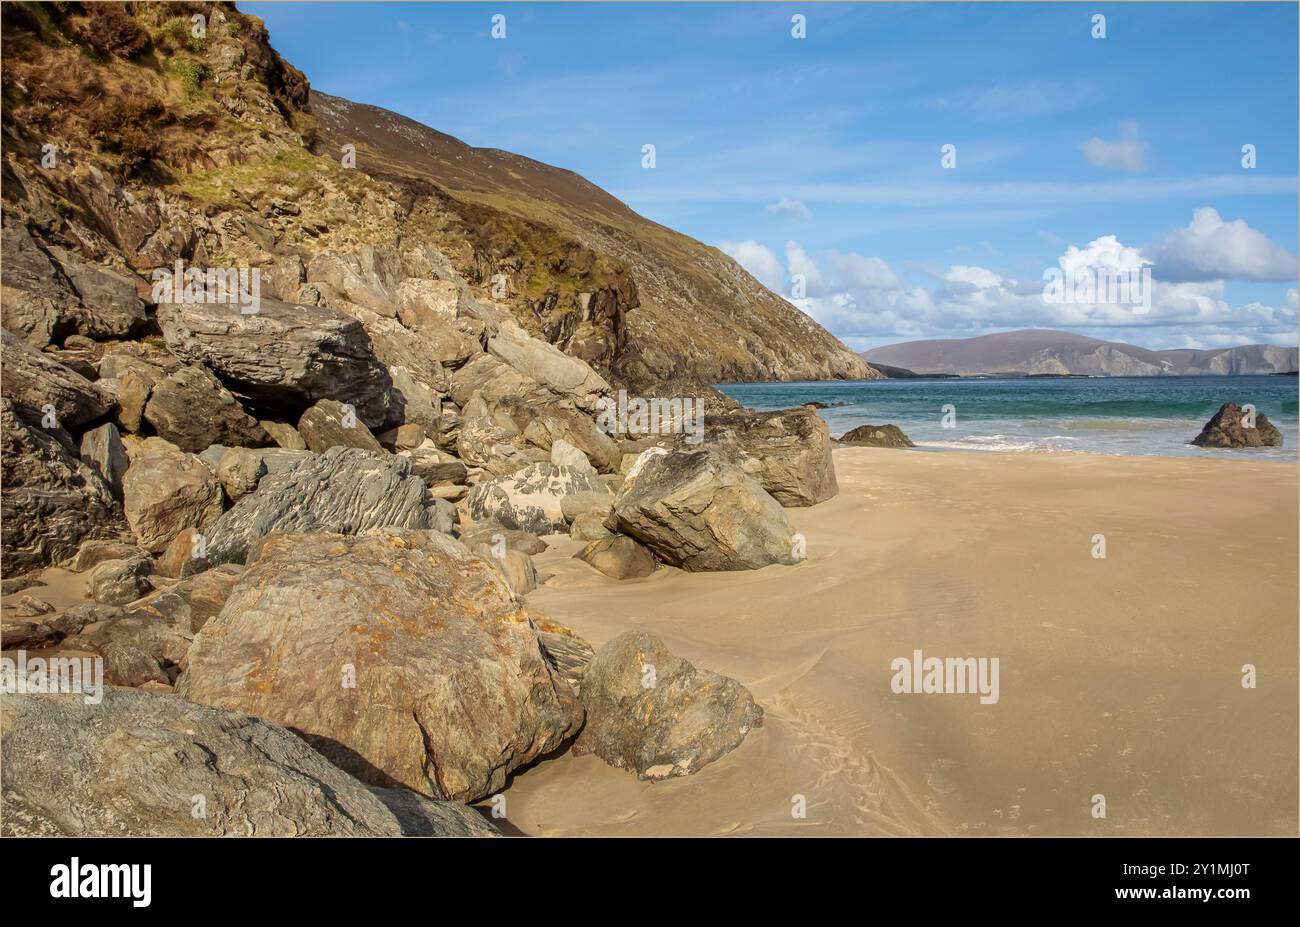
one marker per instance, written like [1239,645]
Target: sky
[819,162]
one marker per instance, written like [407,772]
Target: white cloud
[977,277]
[758,259]
[863,301]
[793,209]
[1126,154]
[1211,249]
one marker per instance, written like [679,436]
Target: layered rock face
[400,656]
[166,767]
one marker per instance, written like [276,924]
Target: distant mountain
[1039,351]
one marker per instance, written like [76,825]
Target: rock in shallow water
[1233,427]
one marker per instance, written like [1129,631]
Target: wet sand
[1118,677]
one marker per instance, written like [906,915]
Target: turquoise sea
[1104,415]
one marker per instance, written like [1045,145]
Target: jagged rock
[548,365]
[493,381]
[619,557]
[435,471]
[344,490]
[330,423]
[125,665]
[107,305]
[102,451]
[138,447]
[877,436]
[35,296]
[558,421]
[152,754]
[564,454]
[94,552]
[283,355]
[531,499]
[515,566]
[451,690]
[191,603]
[211,456]
[39,386]
[167,493]
[284,435]
[133,391]
[699,511]
[787,452]
[427,305]
[1231,427]
[403,437]
[171,562]
[191,409]
[52,500]
[669,720]
[116,582]
[239,472]
[415,402]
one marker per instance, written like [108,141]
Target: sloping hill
[699,314]
[1041,351]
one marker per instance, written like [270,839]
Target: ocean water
[1107,415]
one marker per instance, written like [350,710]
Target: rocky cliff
[133,142]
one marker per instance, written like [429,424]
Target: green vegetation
[192,74]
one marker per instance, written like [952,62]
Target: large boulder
[398,654]
[344,490]
[787,452]
[39,387]
[699,511]
[107,304]
[191,409]
[102,450]
[116,582]
[52,500]
[531,499]
[141,764]
[876,436]
[284,355]
[548,365]
[167,493]
[1232,427]
[330,423]
[35,295]
[656,714]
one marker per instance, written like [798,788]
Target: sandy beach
[1119,677]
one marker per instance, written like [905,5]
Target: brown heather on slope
[700,315]
[209,150]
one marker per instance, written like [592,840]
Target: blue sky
[821,156]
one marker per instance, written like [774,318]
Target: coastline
[1119,676]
